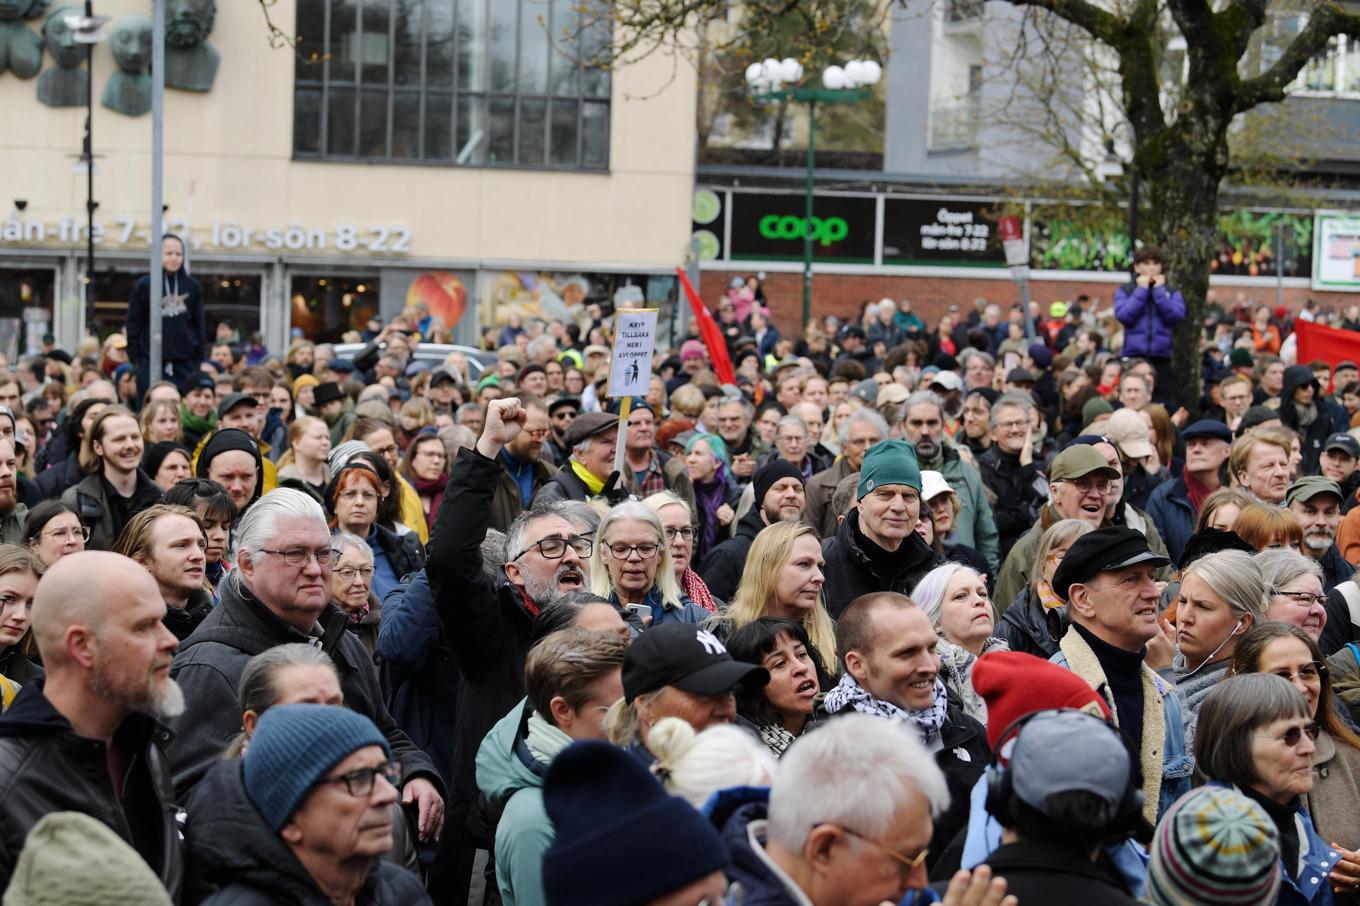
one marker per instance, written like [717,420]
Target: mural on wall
[442,293]
[129,89]
[536,294]
[190,61]
[63,85]
[21,51]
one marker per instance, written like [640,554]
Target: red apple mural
[442,292]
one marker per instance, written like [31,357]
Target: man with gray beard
[487,622]
[84,737]
[190,61]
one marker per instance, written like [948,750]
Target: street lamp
[847,84]
[88,29]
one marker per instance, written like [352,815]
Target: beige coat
[1334,802]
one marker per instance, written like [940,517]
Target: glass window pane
[1350,80]
[410,17]
[471,45]
[373,124]
[375,51]
[563,139]
[594,135]
[438,126]
[501,137]
[439,43]
[564,68]
[307,121]
[593,51]
[340,122]
[504,17]
[311,39]
[406,124]
[533,47]
[341,42]
[470,140]
[533,114]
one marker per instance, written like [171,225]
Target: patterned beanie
[1214,847]
[293,747]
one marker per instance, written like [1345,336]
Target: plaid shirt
[652,479]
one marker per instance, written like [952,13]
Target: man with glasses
[1235,395]
[1316,501]
[735,415]
[1079,481]
[306,815]
[1010,472]
[522,467]
[487,622]
[280,593]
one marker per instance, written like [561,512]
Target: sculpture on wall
[190,61]
[20,49]
[62,85]
[129,89]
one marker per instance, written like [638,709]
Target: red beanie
[1015,685]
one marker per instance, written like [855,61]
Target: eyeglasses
[1295,734]
[388,450]
[624,551]
[349,572]
[297,556]
[1086,485]
[1018,425]
[564,415]
[909,863]
[685,532]
[792,438]
[360,783]
[556,548]
[1304,597]
[1310,673]
[69,534]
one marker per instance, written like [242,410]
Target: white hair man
[850,823]
[280,593]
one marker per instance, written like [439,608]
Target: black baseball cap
[200,380]
[687,657]
[440,376]
[1104,549]
[1208,427]
[1345,443]
[232,400]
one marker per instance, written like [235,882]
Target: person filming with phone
[632,566]
[1150,311]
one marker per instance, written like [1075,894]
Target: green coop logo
[824,230]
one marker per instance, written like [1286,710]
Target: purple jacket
[1148,322]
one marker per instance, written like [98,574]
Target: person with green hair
[715,492]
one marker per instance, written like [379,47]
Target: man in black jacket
[592,439]
[1010,473]
[280,593]
[107,657]
[780,496]
[877,548]
[487,623]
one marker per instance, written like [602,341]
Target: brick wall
[843,295]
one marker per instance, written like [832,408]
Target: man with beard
[280,593]
[522,469]
[652,470]
[1316,501]
[487,622]
[13,514]
[735,415]
[924,427]
[779,497]
[169,543]
[84,737]
[190,61]
[858,433]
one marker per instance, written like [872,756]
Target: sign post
[1017,256]
[630,367]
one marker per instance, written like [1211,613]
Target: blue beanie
[889,462]
[293,747]
[602,802]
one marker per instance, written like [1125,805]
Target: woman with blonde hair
[783,578]
[694,765]
[678,521]
[159,420]
[20,570]
[631,566]
[1221,509]
[309,445]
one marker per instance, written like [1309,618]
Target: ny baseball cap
[687,657]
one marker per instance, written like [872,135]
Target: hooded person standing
[1150,311]
[1315,417]
[182,330]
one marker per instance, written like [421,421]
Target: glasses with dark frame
[297,556]
[360,783]
[1294,735]
[556,548]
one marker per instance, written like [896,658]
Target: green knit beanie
[889,462]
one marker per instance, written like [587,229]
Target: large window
[466,82]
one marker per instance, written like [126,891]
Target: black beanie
[156,453]
[771,472]
[225,439]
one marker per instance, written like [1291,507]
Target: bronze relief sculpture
[129,88]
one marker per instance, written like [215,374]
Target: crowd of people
[901,613]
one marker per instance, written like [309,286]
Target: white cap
[949,380]
[933,485]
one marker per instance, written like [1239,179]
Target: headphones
[1126,817]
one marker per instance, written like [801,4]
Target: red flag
[1325,343]
[709,331]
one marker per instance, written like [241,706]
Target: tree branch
[1327,19]
[1099,24]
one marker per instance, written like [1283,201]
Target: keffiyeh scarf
[849,694]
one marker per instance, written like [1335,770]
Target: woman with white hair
[631,566]
[1295,583]
[1222,596]
[955,599]
[694,765]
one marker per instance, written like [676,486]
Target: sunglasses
[1295,734]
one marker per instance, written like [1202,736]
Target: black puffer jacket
[209,664]
[46,767]
[1030,629]
[722,567]
[850,573]
[231,850]
[405,554]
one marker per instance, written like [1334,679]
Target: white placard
[630,363]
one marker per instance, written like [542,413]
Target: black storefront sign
[950,233]
[772,228]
